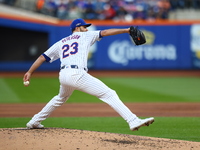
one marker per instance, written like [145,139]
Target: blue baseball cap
[79,22]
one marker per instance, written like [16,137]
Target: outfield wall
[170,44]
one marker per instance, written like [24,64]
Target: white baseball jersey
[74,49]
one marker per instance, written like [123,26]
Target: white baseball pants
[78,79]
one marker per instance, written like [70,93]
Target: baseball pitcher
[73,53]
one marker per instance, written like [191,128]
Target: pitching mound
[70,139]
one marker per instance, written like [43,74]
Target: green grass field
[160,89]
[181,128]
[134,89]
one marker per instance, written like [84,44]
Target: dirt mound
[71,139]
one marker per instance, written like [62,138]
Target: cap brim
[87,25]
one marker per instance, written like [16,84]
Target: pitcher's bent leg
[55,102]
[48,109]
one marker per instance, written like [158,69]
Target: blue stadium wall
[170,45]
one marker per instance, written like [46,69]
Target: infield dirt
[69,139]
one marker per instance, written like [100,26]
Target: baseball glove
[137,36]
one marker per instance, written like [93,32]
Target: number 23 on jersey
[70,49]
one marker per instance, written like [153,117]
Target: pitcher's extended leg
[94,86]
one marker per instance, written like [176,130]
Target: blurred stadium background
[172,29]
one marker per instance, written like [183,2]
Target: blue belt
[72,66]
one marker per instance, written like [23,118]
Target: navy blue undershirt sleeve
[46,57]
[100,35]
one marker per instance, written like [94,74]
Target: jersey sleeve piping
[47,58]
